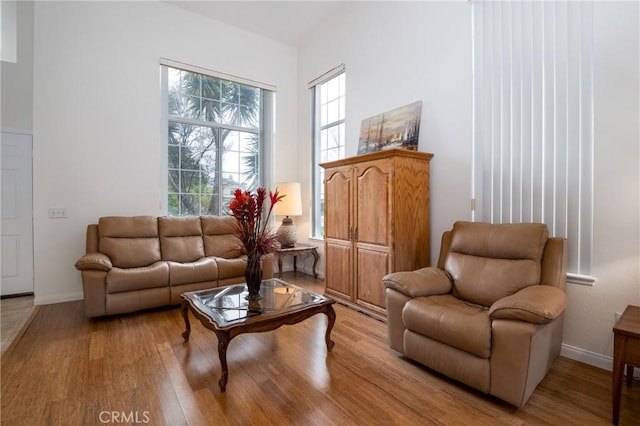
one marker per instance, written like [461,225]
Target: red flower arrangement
[253,229]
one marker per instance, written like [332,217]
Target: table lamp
[290,205]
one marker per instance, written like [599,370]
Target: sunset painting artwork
[397,128]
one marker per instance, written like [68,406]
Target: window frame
[264,131]
[315,86]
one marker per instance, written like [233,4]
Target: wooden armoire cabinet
[376,221]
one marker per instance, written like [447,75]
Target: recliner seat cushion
[451,321]
[129,242]
[202,270]
[490,261]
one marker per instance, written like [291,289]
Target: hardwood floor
[135,369]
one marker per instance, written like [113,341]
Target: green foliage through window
[214,142]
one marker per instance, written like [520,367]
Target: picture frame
[397,128]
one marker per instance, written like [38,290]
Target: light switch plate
[57,213]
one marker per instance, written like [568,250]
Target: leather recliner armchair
[490,315]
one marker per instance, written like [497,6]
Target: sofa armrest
[94,261]
[537,304]
[422,282]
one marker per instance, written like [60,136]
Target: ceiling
[285,21]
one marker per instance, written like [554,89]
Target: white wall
[17,77]
[616,239]
[395,54]
[97,115]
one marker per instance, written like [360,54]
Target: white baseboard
[597,360]
[58,298]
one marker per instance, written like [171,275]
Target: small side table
[626,350]
[295,251]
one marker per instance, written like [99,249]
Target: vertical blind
[533,118]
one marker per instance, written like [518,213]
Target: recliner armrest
[422,282]
[94,261]
[537,304]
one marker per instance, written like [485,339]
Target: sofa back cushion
[491,261]
[220,238]
[180,238]
[130,242]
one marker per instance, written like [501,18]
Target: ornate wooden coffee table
[227,312]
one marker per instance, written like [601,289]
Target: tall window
[215,141]
[328,134]
[533,119]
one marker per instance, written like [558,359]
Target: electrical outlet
[57,213]
[617,316]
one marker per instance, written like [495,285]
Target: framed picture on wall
[397,128]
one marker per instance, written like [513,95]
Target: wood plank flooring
[135,369]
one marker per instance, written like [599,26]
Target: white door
[17,213]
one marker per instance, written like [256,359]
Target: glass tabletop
[229,304]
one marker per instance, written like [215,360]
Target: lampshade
[291,205]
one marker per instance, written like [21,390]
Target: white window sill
[587,280]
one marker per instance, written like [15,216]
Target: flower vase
[253,277]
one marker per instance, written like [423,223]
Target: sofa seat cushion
[205,269]
[156,275]
[230,268]
[451,321]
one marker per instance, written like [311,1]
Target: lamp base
[287,233]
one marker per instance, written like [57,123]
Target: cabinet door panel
[373,207]
[376,222]
[372,266]
[338,269]
[337,192]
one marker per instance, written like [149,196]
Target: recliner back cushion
[180,238]
[491,261]
[220,238]
[130,242]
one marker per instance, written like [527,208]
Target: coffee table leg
[185,315]
[223,344]
[331,316]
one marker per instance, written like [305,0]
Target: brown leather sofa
[140,262]
[490,315]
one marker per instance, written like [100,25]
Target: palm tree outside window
[215,141]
